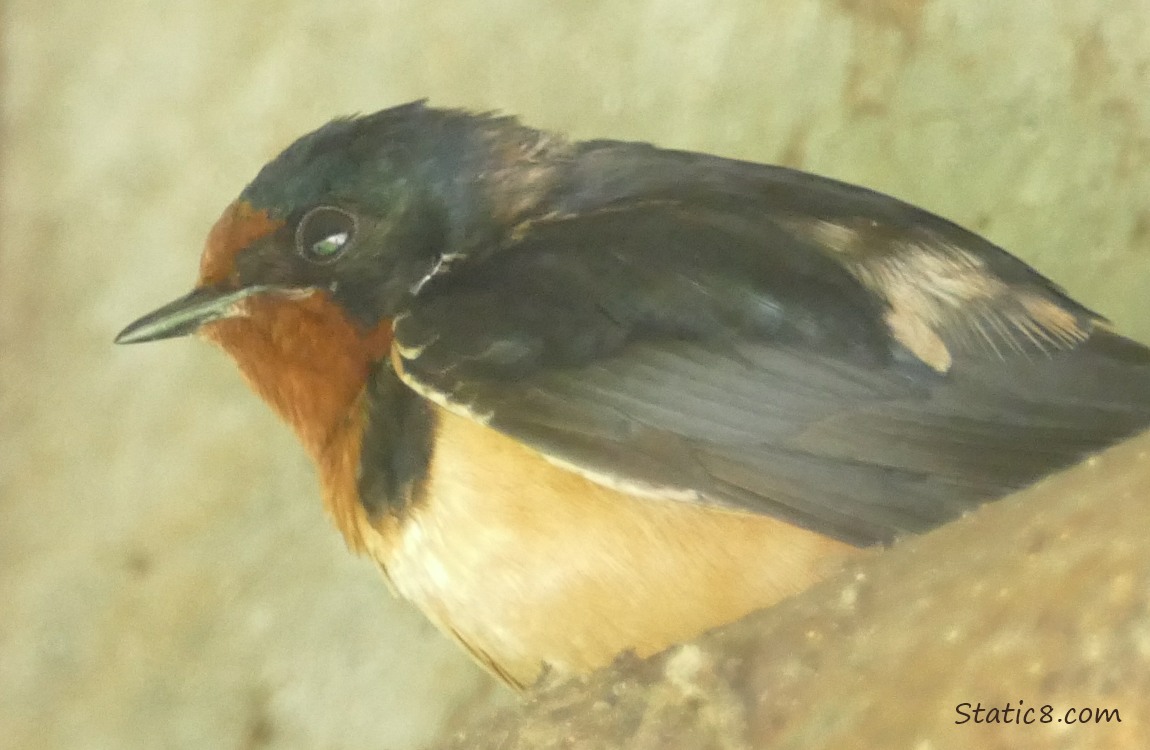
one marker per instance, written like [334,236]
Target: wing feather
[853,374]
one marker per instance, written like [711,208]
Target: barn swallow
[579,398]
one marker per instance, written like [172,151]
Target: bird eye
[324,233]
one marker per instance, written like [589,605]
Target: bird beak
[186,314]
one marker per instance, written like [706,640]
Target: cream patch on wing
[941,295]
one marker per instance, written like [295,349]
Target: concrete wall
[167,578]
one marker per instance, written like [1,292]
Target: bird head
[301,276]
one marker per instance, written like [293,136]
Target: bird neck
[310,362]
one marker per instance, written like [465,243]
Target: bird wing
[859,372]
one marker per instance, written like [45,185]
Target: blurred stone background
[167,578]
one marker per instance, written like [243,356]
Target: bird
[583,398]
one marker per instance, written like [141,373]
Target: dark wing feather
[706,346]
